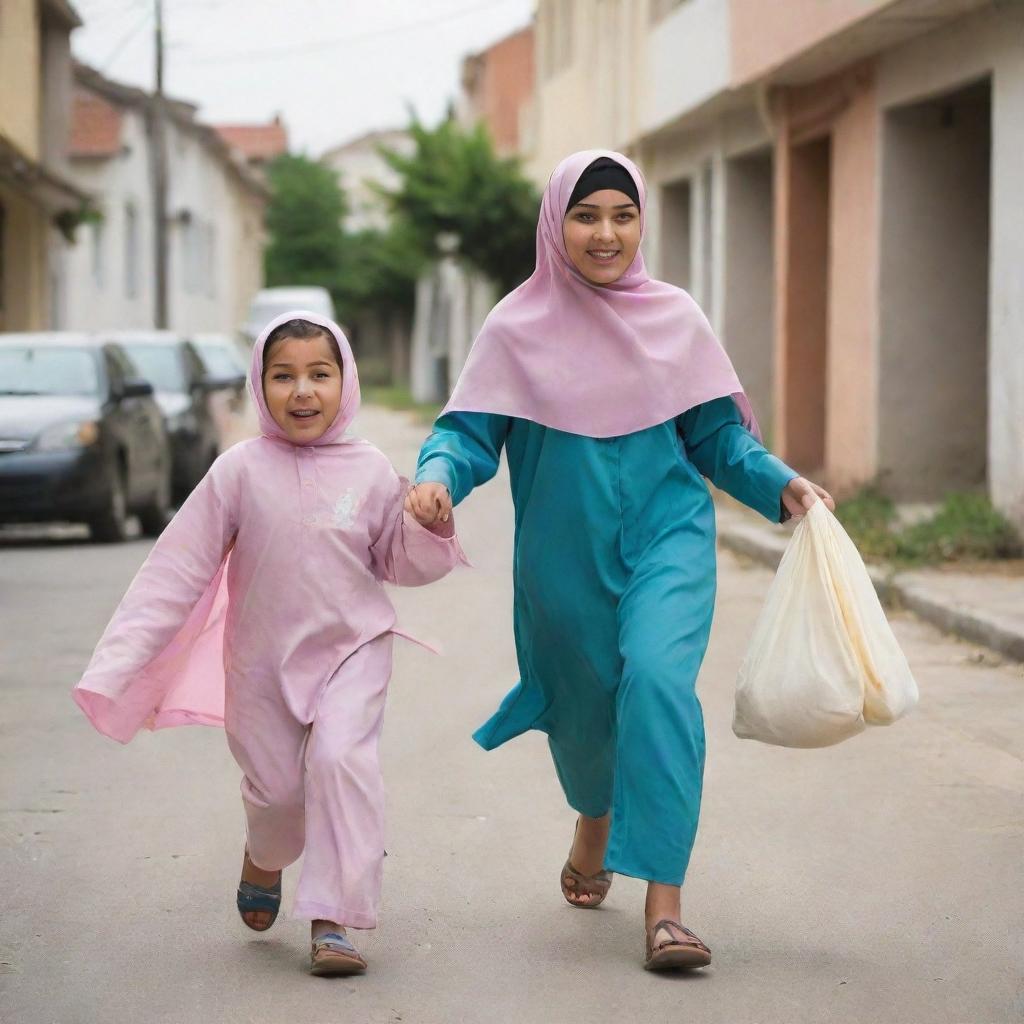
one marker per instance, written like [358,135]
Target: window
[48,371]
[197,256]
[189,254]
[96,239]
[131,251]
[161,365]
[211,260]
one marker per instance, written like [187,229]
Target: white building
[215,205]
[359,167]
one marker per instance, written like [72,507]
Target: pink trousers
[317,788]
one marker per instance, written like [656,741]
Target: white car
[272,302]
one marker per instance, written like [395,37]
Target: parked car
[226,358]
[182,386]
[82,438]
[272,302]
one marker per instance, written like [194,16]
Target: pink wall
[801,301]
[851,441]
[764,33]
[506,84]
[826,203]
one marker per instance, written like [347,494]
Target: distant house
[215,207]
[497,90]
[359,167]
[258,143]
[36,189]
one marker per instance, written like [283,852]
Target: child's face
[302,386]
[602,235]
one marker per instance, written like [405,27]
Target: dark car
[81,436]
[182,386]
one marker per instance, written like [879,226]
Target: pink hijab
[593,360]
[350,395]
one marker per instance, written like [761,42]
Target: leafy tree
[454,182]
[306,243]
[379,271]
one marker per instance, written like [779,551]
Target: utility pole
[160,175]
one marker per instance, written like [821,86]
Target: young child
[261,608]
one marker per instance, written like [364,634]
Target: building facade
[497,89]
[214,213]
[840,187]
[38,199]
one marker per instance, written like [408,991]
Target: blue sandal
[254,898]
[333,954]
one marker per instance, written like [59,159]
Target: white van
[272,302]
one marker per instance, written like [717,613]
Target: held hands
[429,503]
[800,494]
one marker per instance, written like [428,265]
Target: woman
[612,399]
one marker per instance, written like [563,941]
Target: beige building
[839,185]
[362,170]
[37,197]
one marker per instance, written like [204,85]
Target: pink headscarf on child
[601,361]
[350,394]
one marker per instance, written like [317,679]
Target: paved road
[878,881]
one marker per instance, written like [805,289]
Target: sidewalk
[984,608]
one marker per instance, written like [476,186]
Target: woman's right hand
[429,503]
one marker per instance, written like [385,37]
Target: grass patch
[966,527]
[400,399]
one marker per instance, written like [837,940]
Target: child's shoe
[334,955]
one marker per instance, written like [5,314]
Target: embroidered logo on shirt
[344,510]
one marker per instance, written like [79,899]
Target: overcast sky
[333,69]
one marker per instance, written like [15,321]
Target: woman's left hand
[800,494]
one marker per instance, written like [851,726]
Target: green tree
[379,271]
[454,182]
[306,244]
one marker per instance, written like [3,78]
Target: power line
[326,44]
[127,38]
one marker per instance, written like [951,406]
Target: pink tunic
[270,575]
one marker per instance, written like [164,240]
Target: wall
[25,263]
[20,64]
[987,45]
[767,34]
[747,297]
[102,263]
[686,62]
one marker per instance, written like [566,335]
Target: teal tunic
[614,577]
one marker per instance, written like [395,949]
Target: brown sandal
[574,884]
[333,955]
[681,950]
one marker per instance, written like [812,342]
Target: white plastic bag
[823,661]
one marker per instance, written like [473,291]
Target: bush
[966,527]
[868,518]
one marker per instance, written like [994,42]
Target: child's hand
[429,503]
[800,494]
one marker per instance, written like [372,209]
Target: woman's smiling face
[602,234]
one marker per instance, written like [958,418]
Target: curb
[766,545]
